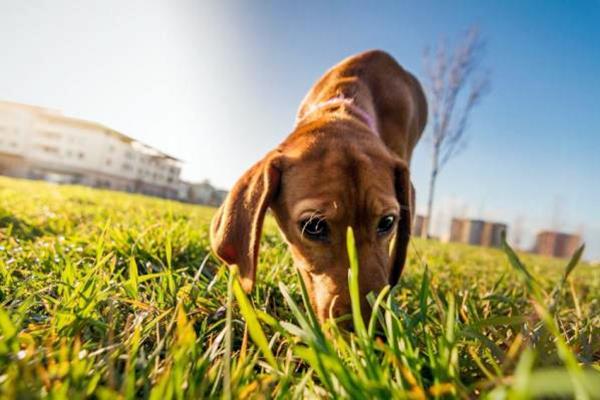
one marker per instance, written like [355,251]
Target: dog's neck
[350,106]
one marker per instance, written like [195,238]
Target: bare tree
[558,211]
[517,232]
[455,86]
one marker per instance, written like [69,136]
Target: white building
[205,193]
[38,143]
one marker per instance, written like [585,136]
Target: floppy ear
[405,198]
[236,228]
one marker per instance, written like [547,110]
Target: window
[43,148]
[81,155]
[50,134]
[108,162]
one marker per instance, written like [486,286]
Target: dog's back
[382,88]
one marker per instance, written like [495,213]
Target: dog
[345,164]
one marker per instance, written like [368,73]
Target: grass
[110,295]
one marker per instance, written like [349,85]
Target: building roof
[557,233]
[477,220]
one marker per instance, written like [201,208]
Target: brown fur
[335,165]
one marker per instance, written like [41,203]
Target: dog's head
[320,181]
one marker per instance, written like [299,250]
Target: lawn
[110,295]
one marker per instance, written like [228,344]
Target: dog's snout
[339,307]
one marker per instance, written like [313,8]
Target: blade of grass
[254,328]
[357,318]
[228,339]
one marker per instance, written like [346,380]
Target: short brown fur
[350,170]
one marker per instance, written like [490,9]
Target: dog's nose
[343,314]
[346,325]
[338,308]
[341,311]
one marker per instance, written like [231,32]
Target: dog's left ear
[237,226]
[404,196]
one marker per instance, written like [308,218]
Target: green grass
[111,295]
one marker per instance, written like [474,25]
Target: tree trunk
[432,181]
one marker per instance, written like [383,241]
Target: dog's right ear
[237,226]
[406,200]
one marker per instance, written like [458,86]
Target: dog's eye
[315,228]
[386,224]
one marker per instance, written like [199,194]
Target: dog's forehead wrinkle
[365,190]
[316,206]
[372,196]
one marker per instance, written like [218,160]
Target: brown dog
[345,164]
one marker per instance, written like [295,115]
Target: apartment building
[556,244]
[477,232]
[205,193]
[39,143]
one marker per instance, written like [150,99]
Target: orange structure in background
[477,232]
[556,244]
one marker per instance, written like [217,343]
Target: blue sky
[218,83]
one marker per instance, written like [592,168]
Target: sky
[218,83]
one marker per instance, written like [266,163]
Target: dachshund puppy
[346,164]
